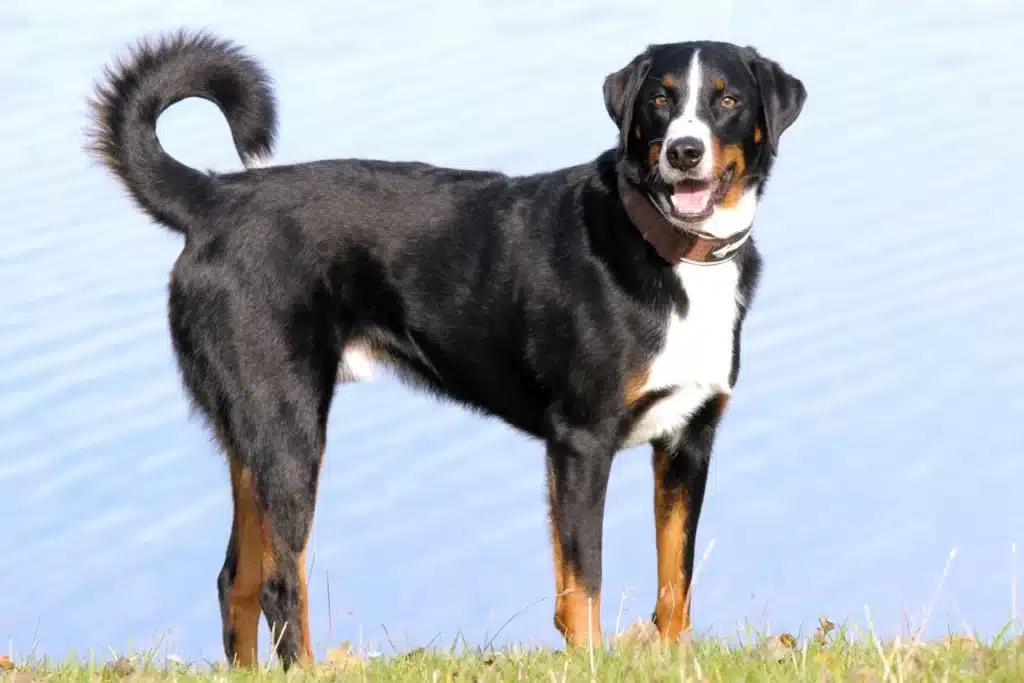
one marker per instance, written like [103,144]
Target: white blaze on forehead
[694,79]
[724,222]
[688,124]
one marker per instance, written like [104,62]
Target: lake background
[876,426]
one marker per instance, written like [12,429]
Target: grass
[828,655]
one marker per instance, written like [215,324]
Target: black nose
[685,153]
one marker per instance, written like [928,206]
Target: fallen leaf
[639,635]
[417,653]
[122,666]
[824,628]
[5,663]
[342,656]
[777,648]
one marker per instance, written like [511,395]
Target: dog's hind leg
[274,491]
[266,390]
[288,493]
[288,418]
[265,564]
[245,565]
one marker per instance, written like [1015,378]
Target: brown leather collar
[676,245]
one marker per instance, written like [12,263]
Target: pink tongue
[690,199]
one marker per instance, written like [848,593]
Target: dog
[595,307]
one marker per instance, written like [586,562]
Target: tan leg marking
[577,615]
[672,609]
[254,563]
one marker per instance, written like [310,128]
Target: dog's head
[699,126]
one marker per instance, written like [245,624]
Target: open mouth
[694,200]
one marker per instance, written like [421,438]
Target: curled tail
[154,75]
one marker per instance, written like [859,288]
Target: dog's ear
[620,91]
[782,96]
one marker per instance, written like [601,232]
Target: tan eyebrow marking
[669,82]
[720,84]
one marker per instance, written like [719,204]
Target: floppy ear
[620,91]
[782,96]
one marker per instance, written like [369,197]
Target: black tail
[149,79]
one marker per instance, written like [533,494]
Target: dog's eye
[728,102]
[660,101]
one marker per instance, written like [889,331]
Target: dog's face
[700,124]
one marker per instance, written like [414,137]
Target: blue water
[876,426]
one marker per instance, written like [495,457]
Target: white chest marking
[696,357]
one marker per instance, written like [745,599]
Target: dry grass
[827,655]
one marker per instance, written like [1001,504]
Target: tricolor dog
[594,307]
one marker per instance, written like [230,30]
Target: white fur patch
[358,363]
[697,354]
[726,222]
[256,161]
[687,125]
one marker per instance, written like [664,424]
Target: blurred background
[877,423]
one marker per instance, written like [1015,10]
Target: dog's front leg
[680,477]
[579,461]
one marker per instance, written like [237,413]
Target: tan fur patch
[255,561]
[720,84]
[577,615]
[757,135]
[721,403]
[636,131]
[307,636]
[672,608]
[653,153]
[726,155]
[635,384]
[669,82]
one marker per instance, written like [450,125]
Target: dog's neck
[676,245]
